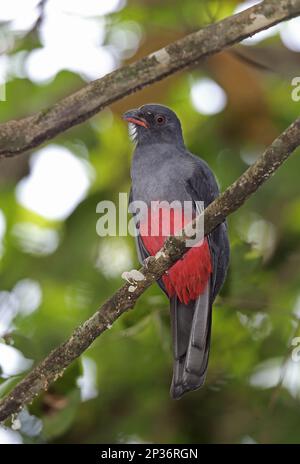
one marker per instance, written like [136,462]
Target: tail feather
[191,325]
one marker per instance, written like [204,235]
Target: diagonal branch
[18,136]
[234,196]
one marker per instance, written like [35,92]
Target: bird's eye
[160,119]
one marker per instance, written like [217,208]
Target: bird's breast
[160,175]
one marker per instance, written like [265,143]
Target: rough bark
[20,135]
[234,196]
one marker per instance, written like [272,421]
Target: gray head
[154,123]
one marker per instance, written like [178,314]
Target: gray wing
[203,186]
[191,324]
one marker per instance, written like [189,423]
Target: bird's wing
[191,324]
[202,186]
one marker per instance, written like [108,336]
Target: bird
[164,171]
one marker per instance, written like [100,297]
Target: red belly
[188,277]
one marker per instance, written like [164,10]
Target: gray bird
[164,170]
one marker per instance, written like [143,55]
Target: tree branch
[234,196]
[17,136]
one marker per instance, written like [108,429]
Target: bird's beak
[134,117]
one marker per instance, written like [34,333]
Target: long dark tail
[191,327]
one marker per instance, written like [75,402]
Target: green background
[252,388]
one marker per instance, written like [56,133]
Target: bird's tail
[191,327]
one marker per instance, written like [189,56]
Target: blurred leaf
[59,422]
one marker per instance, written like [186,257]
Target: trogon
[164,171]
